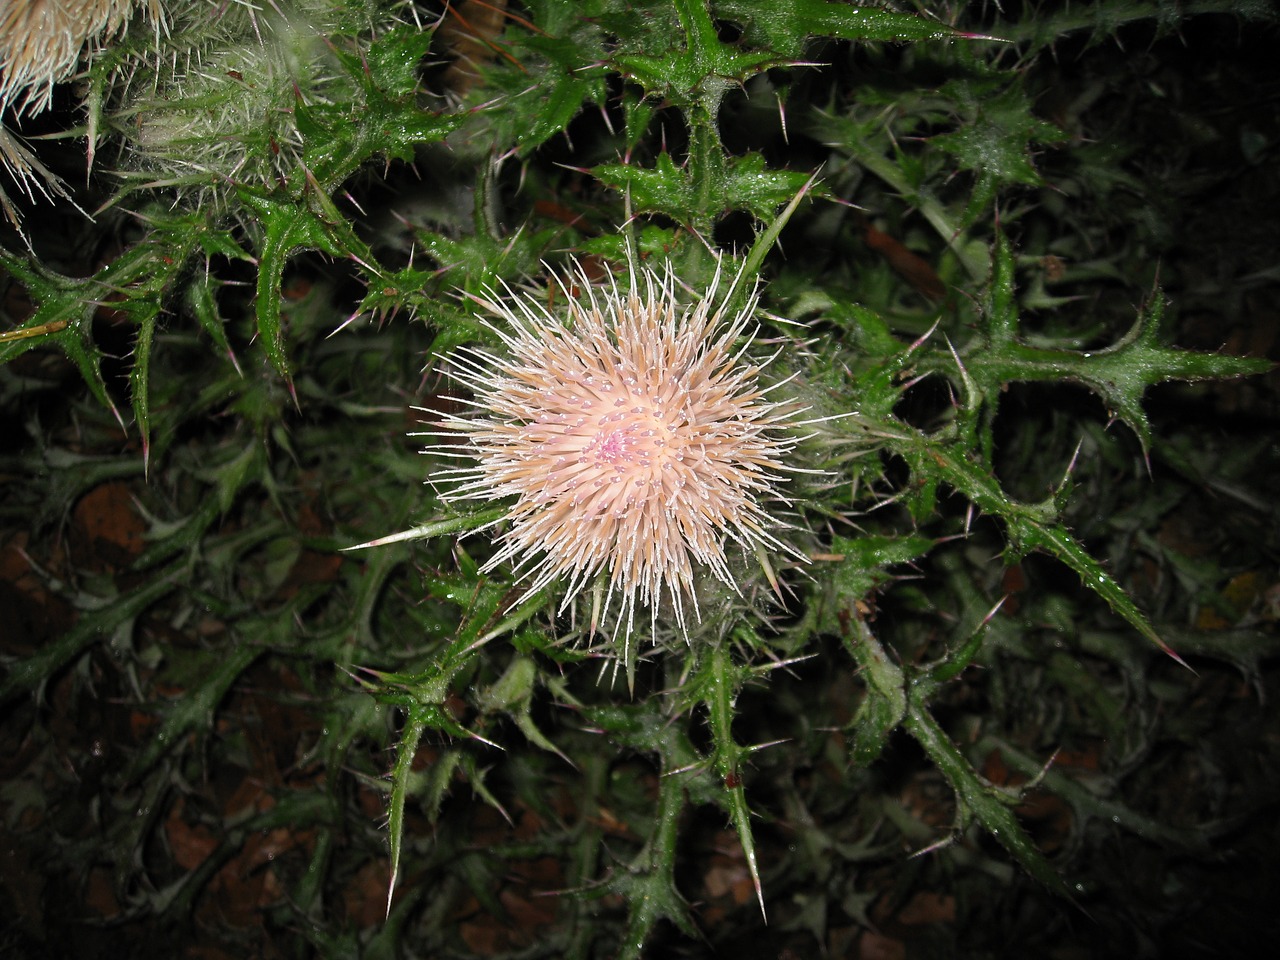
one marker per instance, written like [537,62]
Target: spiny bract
[633,435]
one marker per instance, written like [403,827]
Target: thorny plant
[300,203]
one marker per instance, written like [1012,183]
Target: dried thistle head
[633,435]
[41,44]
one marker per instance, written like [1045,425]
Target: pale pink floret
[633,435]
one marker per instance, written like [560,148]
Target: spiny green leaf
[700,72]
[879,714]
[989,805]
[662,187]
[512,693]
[194,710]
[435,785]
[406,750]
[63,315]
[288,227]
[1027,533]
[437,779]
[548,70]
[392,61]
[1030,526]
[481,262]
[145,316]
[738,183]
[867,332]
[386,120]
[28,673]
[891,702]
[1088,804]
[863,566]
[1119,374]
[996,132]
[717,686]
[749,185]
[560,91]
[202,301]
[637,112]
[222,243]
[648,882]
[864,562]
[786,25]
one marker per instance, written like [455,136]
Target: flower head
[634,436]
[41,42]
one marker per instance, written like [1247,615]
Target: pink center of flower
[612,446]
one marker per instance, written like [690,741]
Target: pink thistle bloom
[633,435]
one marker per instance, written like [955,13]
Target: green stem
[706,162]
[725,684]
[978,266]
[1108,18]
[657,890]
[586,854]
[992,810]
[706,157]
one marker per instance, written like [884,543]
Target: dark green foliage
[283,283]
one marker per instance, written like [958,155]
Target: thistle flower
[634,436]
